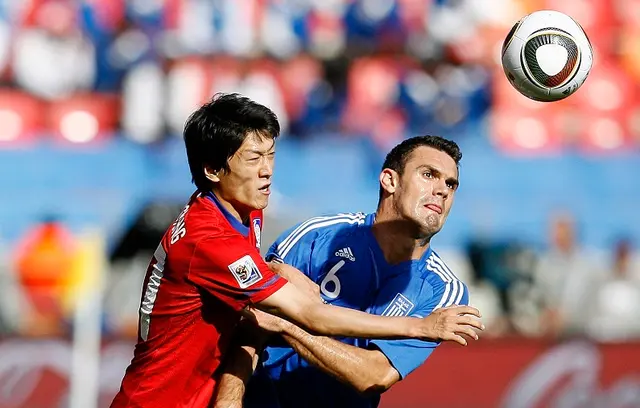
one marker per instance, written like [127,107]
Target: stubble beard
[430,227]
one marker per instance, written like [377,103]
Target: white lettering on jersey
[179,229]
[151,292]
[245,271]
[400,306]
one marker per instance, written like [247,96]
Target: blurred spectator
[192,81]
[5,46]
[498,268]
[143,103]
[613,315]
[564,278]
[373,90]
[486,298]
[44,264]
[484,294]
[12,300]
[128,261]
[52,58]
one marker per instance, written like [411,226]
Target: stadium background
[92,100]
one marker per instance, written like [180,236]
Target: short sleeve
[407,355]
[231,269]
[294,247]
[309,245]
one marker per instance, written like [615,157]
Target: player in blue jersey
[381,263]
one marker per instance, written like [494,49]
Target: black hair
[398,156]
[215,131]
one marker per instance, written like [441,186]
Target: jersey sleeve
[231,269]
[305,245]
[294,247]
[407,355]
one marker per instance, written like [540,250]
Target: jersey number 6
[333,280]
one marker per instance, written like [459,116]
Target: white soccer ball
[547,56]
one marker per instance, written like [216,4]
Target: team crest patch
[245,271]
[400,306]
[257,231]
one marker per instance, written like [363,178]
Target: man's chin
[430,230]
[262,204]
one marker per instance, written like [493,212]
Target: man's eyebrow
[454,181]
[451,180]
[260,152]
[430,167]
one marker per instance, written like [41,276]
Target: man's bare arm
[292,304]
[364,370]
[245,349]
[239,365]
[367,371]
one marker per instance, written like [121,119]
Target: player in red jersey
[208,267]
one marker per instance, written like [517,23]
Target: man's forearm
[232,382]
[449,323]
[365,370]
[294,305]
[239,365]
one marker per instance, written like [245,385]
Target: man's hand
[450,323]
[265,321]
[297,278]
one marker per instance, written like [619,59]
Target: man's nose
[266,169]
[441,189]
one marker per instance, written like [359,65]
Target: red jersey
[203,273]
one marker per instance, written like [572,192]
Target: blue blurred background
[94,94]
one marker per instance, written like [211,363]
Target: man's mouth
[435,208]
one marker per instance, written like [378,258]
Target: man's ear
[211,174]
[389,180]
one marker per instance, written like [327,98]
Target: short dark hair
[215,132]
[398,156]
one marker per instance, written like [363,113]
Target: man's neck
[233,211]
[396,240]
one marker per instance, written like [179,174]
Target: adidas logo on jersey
[346,253]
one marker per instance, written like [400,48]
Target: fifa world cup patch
[245,271]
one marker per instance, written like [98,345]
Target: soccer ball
[547,56]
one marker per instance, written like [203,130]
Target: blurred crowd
[85,71]
[376,69]
[561,291]
[362,68]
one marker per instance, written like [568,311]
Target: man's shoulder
[331,224]
[202,213]
[437,270]
[444,283]
[324,230]
[199,224]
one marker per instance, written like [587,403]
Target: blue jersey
[342,256]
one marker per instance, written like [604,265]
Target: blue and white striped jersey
[341,254]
